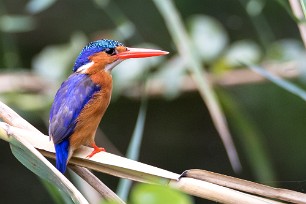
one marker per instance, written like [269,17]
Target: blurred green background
[40,39]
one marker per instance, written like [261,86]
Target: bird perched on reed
[83,98]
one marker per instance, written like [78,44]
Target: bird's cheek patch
[102,58]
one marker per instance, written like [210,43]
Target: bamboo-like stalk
[30,157]
[12,118]
[129,169]
[218,189]
[212,192]
[106,192]
[246,186]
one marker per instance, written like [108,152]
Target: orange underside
[92,113]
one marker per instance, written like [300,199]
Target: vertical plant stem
[10,56]
[184,46]
[262,28]
[252,140]
[104,191]
[134,147]
[290,87]
[298,12]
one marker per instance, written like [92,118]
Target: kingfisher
[83,98]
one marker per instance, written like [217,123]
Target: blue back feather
[69,101]
[92,48]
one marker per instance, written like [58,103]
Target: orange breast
[93,111]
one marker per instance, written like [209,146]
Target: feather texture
[83,98]
[93,48]
[62,154]
[69,101]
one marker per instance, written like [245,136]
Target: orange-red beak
[140,53]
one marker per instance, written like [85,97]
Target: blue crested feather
[62,153]
[92,48]
[69,101]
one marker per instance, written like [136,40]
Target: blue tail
[62,151]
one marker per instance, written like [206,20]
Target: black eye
[110,51]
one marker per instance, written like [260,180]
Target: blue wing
[69,100]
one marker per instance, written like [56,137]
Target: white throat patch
[82,69]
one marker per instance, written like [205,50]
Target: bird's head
[106,54]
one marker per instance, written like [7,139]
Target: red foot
[95,151]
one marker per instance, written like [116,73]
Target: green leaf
[286,49]
[16,23]
[36,6]
[155,194]
[255,7]
[208,35]
[54,61]
[53,191]
[109,202]
[242,51]
[169,77]
[39,165]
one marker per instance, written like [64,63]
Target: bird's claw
[95,151]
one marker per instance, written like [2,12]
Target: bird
[82,99]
